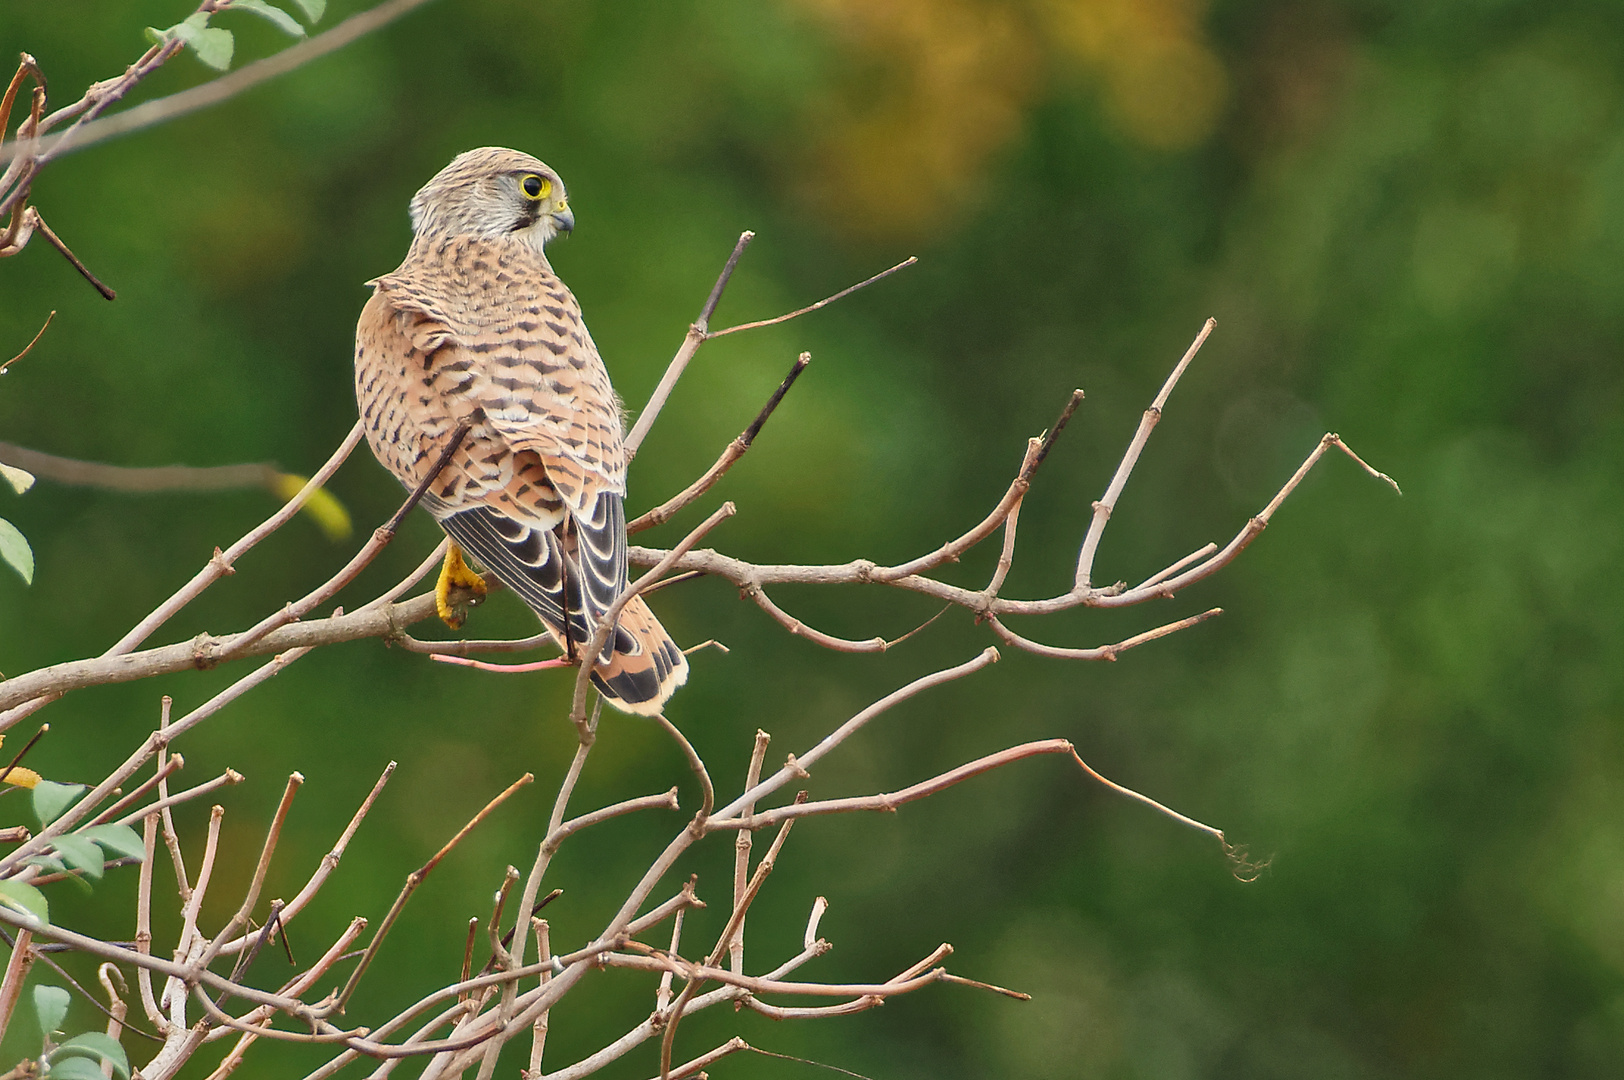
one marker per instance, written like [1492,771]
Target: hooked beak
[564,219]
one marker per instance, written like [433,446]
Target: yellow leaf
[322,505]
[21,777]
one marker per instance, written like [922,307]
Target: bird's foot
[455,574]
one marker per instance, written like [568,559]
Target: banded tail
[640,667]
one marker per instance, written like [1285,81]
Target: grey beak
[565,220]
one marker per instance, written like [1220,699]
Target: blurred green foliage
[1409,221]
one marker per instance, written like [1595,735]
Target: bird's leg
[455,574]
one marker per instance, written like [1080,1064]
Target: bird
[475,330]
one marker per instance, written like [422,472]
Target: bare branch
[375,544]
[708,792]
[741,851]
[162,773]
[230,776]
[154,742]
[1103,652]
[735,450]
[699,333]
[5,447]
[11,987]
[1147,423]
[204,651]
[825,302]
[56,241]
[91,131]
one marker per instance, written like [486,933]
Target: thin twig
[825,302]
[143,925]
[11,986]
[164,805]
[261,868]
[735,450]
[741,850]
[26,350]
[29,745]
[138,480]
[1103,652]
[57,242]
[220,89]
[144,753]
[1130,457]
[175,763]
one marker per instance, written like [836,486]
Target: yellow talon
[455,574]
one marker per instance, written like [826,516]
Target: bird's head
[493,192]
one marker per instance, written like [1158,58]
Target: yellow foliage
[951,81]
[1163,85]
[938,86]
[323,506]
[21,777]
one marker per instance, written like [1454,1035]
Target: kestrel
[475,328]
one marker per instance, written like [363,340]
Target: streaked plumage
[474,327]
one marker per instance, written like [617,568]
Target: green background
[1408,219]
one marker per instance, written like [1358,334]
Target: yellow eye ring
[535,187]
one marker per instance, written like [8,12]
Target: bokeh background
[1408,219]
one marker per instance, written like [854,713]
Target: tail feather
[646,666]
[640,666]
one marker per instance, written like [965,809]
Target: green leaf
[81,854]
[313,9]
[19,479]
[93,1044]
[212,45]
[50,1007]
[119,840]
[284,22]
[74,1068]
[49,863]
[51,798]
[20,896]
[14,550]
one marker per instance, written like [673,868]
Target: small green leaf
[284,22]
[49,863]
[313,9]
[20,896]
[51,798]
[50,1007]
[15,551]
[93,1044]
[74,1068]
[212,45]
[81,854]
[19,479]
[120,841]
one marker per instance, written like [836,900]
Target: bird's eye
[535,187]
